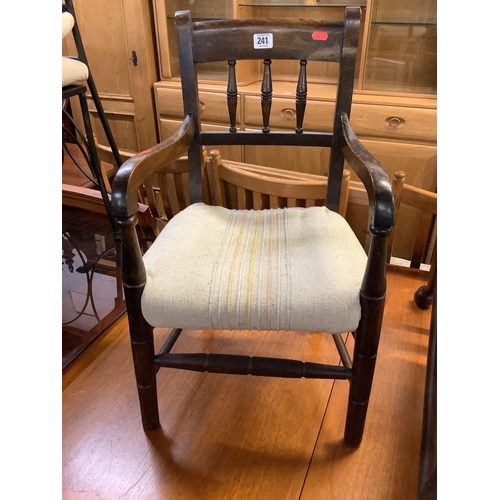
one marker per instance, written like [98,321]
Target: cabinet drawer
[394,122]
[388,122]
[213,106]
[318,116]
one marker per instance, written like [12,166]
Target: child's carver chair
[298,268]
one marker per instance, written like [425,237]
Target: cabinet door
[118,40]
[402,46]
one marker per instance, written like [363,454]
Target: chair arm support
[374,178]
[134,171]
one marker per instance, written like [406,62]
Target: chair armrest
[135,170]
[374,178]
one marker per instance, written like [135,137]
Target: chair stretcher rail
[248,365]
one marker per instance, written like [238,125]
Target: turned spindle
[232,95]
[266,95]
[301,97]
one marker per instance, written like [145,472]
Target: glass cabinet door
[402,47]
[200,10]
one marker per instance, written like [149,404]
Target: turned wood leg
[142,342]
[141,333]
[424,295]
[364,359]
[372,300]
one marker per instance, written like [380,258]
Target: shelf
[405,22]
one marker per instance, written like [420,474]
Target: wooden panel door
[119,43]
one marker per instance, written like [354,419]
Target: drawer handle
[288,113]
[394,121]
[201,106]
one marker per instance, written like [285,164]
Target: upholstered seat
[280,269]
[68,21]
[73,71]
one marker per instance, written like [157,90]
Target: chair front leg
[141,332]
[367,336]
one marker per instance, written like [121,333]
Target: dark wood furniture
[427,479]
[230,40]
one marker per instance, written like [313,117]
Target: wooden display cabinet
[394,103]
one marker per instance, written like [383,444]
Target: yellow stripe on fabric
[250,277]
[240,226]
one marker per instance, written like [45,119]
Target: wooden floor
[241,437]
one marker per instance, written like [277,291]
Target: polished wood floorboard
[242,437]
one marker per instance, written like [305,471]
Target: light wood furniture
[426,204]
[119,42]
[90,199]
[245,186]
[76,78]
[394,101]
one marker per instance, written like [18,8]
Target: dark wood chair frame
[230,40]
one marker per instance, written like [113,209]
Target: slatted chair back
[268,40]
[166,192]
[426,202]
[245,186]
[423,200]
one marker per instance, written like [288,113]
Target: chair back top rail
[230,39]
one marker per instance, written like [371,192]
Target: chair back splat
[273,253]
[239,39]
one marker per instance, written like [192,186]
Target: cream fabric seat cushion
[68,21]
[73,71]
[293,269]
